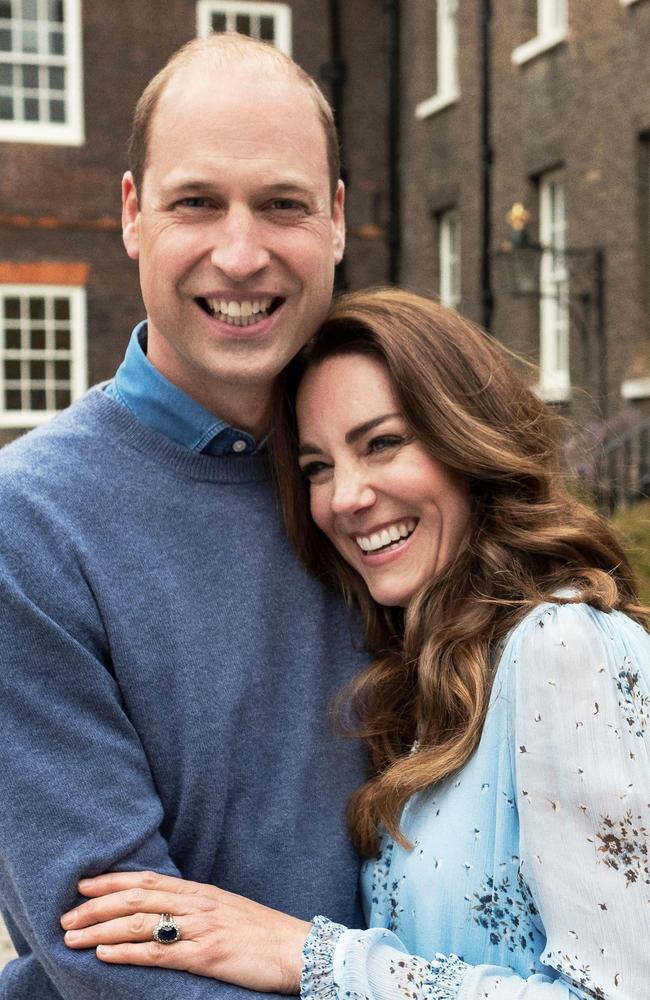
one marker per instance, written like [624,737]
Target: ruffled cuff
[317,977]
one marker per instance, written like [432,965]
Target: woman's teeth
[393,536]
[239,313]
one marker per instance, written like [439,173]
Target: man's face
[235,231]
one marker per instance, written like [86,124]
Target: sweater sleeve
[76,791]
[580,707]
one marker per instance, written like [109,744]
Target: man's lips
[240,311]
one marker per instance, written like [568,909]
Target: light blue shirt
[162,406]
[529,877]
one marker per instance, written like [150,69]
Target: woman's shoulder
[552,623]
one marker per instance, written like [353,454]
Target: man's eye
[193,202]
[384,442]
[286,205]
[314,470]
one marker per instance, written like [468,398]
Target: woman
[507,708]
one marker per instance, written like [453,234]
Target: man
[166,665]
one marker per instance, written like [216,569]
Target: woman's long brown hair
[431,676]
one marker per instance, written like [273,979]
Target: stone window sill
[435,104]
[636,388]
[537,46]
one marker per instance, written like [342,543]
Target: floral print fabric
[529,877]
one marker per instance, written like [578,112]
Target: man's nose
[239,251]
[352,492]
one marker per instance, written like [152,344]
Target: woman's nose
[352,492]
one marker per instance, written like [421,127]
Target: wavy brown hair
[431,676]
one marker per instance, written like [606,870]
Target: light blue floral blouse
[529,878]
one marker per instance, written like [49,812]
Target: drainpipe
[487,156]
[391,8]
[334,73]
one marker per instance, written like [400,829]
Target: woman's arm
[579,694]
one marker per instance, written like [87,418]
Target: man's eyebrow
[352,435]
[205,186]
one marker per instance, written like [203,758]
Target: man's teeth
[240,313]
[396,533]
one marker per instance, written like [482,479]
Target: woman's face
[395,514]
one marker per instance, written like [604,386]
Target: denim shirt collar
[164,407]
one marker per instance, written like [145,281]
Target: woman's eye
[384,442]
[314,470]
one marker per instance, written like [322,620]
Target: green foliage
[633,526]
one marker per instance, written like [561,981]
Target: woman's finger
[179,956]
[135,928]
[101,885]
[130,902]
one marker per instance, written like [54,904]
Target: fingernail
[102,949]
[71,937]
[84,883]
[68,919]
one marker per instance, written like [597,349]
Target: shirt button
[239,446]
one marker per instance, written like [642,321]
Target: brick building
[544,103]
[70,74]
[451,111]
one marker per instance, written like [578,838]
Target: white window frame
[554,313]
[448,86]
[628,3]
[70,132]
[77,353]
[449,258]
[552,27]
[280,12]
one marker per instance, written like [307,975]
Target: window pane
[31,109]
[55,10]
[30,75]
[56,43]
[29,11]
[62,371]
[57,111]
[6,108]
[218,22]
[243,23]
[5,41]
[267,29]
[12,339]
[12,369]
[62,398]
[62,340]
[12,399]
[57,78]
[30,41]
[37,399]
[37,308]
[61,309]
[5,8]
[36,370]
[6,76]
[12,308]
[38,340]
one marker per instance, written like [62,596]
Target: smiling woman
[507,710]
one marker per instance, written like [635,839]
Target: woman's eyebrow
[352,435]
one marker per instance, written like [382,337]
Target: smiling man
[166,664]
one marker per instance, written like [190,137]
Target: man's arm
[76,790]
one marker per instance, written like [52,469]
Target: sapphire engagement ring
[166,930]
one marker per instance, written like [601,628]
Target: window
[40,71]
[449,259]
[446,52]
[552,18]
[271,22]
[554,322]
[42,351]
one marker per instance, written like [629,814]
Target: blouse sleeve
[579,694]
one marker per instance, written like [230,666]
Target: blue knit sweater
[165,672]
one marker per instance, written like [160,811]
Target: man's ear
[130,217]
[338,222]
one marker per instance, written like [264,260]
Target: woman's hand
[223,935]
